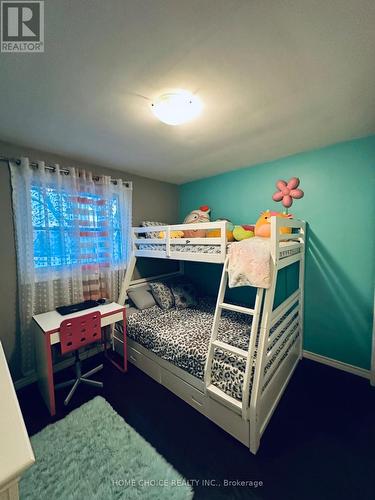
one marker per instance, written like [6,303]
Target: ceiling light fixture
[177,107]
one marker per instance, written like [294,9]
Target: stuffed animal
[263,225]
[201,215]
[216,233]
[173,234]
[243,232]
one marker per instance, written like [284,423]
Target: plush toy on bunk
[263,224]
[200,215]
[216,233]
[173,234]
[234,233]
[243,232]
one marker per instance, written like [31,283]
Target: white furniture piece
[46,331]
[16,454]
[246,420]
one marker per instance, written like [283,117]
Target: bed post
[127,279]
[260,361]
[301,285]
[372,368]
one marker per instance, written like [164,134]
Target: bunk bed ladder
[248,355]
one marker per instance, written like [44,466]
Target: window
[73,239]
[75,230]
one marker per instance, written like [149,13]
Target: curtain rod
[34,164]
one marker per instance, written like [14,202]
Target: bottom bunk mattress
[181,336]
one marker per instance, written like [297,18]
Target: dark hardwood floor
[319,445]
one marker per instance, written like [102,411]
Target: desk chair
[74,334]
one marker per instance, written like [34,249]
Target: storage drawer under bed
[144,363]
[162,375]
[184,390]
[221,415]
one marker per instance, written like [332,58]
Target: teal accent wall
[339,207]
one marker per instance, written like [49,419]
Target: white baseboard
[30,379]
[355,370]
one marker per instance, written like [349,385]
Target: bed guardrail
[295,240]
[184,248]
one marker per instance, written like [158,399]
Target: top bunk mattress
[286,251]
[159,247]
[181,337]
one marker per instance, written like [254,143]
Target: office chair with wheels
[74,334]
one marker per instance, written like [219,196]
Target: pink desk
[46,332]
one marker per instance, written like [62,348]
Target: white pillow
[141,297]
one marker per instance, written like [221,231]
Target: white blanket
[249,263]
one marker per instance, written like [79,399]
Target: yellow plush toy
[216,233]
[263,225]
[174,234]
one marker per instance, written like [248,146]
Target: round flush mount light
[177,107]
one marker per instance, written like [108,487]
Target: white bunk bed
[275,343]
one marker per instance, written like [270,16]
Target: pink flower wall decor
[287,191]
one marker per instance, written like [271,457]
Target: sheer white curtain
[72,240]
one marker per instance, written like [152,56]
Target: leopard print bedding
[181,336]
[181,248]
[211,249]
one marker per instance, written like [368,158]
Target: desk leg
[124,338]
[123,367]
[45,369]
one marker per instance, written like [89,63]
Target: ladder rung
[240,309]
[229,348]
[223,397]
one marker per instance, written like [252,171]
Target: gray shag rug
[93,454]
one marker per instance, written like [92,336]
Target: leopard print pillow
[185,295]
[162,294]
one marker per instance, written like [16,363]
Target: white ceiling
[277,77]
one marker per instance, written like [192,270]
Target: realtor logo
[22,26]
